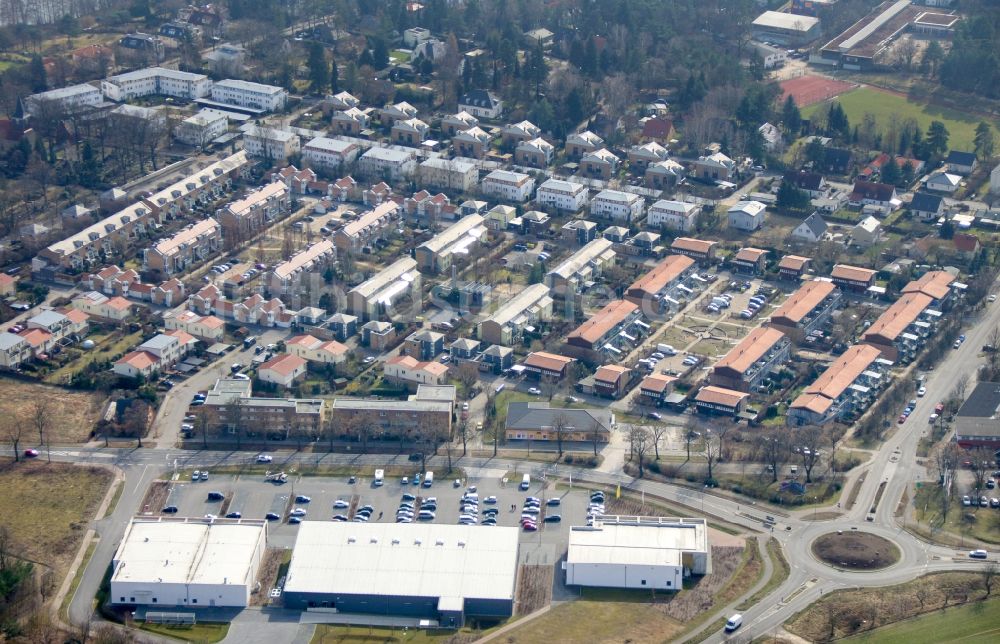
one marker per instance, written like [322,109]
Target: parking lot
[254,498]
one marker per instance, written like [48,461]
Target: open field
[850,612]
[978,523]
[49,505]
[810,89]
[970,623]
[884,105]
[71,414]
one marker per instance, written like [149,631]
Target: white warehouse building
[637,552]
[188,562]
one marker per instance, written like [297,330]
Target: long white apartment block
[156,81]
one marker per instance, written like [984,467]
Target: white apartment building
[156,81]
[747,215]
[70,99]
[449,174]
[270,143]
[387,163]
[202,128]
[618,206]
[562,195]
[329,154]
[676,215]
[251,95]
[508,186]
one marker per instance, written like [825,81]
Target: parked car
[170,509]
[30,453]
[264,458]
[272,516]
[978,554]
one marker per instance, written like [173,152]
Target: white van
[429,479]
[666,349]
[525,481]
[379,477]
[734,622]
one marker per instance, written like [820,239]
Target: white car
[298,512]
[992,298]
[921,392]
[264,458]
[535,391]
[340,504]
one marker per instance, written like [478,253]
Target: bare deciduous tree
[12,432]
[658,430]
[639,440]
[808,440]
[712,449]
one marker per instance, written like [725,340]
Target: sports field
[882,104]
[811,89]
[972,623]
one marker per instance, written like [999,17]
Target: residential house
[701,251]
[663,175]
[937,285]
[515,133]
[535,222]
[341,325]
[808,182]
[762,352]
[508,186]
[14,350]
[411,132]
[377,335]
[853,278]
[423,345]
[473,142]
[641,156]
[599,164]
[867,232]
[807,309]
[624,207]
[879,195]
[610,330]
[995,180]
[580,143]
[500,217]
[673,215]
[461,239]
[584,265]
[579,231]
[208,328]
[423,206]
[287,275]
[537,421]
[329,154]
[387,164]
[961,163]
[137,364]
[811,230]
[536,153]
[660,289]
[242,219]
[561,195]
[312,349]
[202,128]
[464,350]
[410,372]
[926,206]
[283,370]
[719,401]
[749,261]
[380,294]
[656,388]
[976,423]
[714,167]
[849,386]
[836,161]
[943,182]
[747,215]
[8,285]
[169,348]
[372,225]
[658,129]
[481,103]
[497,359]
[507,325]
[270,143]
[192,245]
[542,365]
[966,246]
[458,175]
[99,305]
[350,122]
[452,125]
[612,381]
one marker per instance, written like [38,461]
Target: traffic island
[855,550]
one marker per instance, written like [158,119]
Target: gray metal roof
[530,415]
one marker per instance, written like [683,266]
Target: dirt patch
[267,575]
[848,612]
[534,590]
[156,496]
[852,498]
[855,550]
[810,89]
[71,415]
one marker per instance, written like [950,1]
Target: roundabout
[855,551]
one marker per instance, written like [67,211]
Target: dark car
[415,456]
[170,509]
[552,518]
[237,515]
[272,516]
[553,502]
[216,496]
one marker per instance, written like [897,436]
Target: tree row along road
[894,463]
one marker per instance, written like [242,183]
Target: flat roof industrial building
[637,552]
[188,562]
[434,572]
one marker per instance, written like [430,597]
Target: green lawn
[882,104]
[203,633]
[976,622]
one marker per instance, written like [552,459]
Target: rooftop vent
[417,542]
[351,539]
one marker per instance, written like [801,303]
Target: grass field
[976,622]
[107,347]
[326,634]
[856,103]
[199,633]
[985,526]
[48,506]
[72,414]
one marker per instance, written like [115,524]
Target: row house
[749,261]
[937,285]
[411,373]
[564,196]
[624,207]
[536,153]
[584,265]
[807,309]
[200,188]
[312,349]
[848,387]
[719,401]
[378,335]
[520,314]
[372,225]
[461,239]
[243,218]
[68,323]
[329,154]
[108,238]
[170,347]
[460,122]
[399,112]
[257,310]
[192,245]
[458,175]
[203,301]
[473,143]
[615,327]
[423,344]
[641,156]
[673,215]
[377,194]
[205,327]
[542,365]
[745,367]
[350,122]
[612,381]
[516,133]
[288,274]
[14,350]
[101,306]
[411,132]
[509,186]
[853,278]
[168,293]
[580,143]
[600,164]
[663,288]
[664,175]
[387,164]
[793,267]
[137,364]
[903,329]
[423,206]
[380,294]
[111,280]
[342,101]
[700,250]
[579,232]
[714,167]
[282,370]
[656,388]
